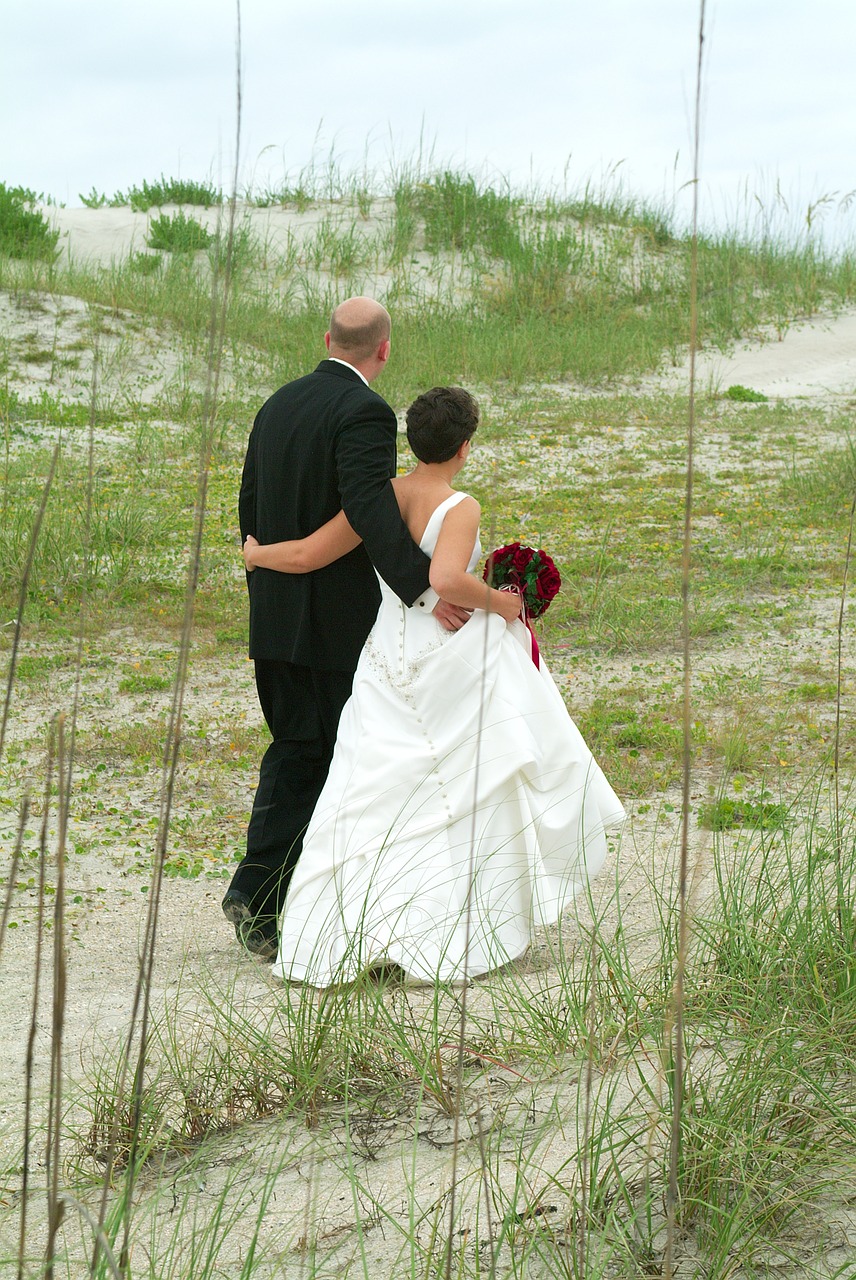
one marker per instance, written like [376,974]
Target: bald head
[359,327]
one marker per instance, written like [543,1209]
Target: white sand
[815,359]
[107,235]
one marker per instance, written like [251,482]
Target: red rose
[500,566]
[532,572]
[548,582]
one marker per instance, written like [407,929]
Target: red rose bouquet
[532,573]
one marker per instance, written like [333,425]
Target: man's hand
[450,616]
[249,543]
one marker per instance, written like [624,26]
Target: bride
[462,807]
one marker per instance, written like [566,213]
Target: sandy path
[815,360]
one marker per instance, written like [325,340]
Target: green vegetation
[498,287]
[146,264]
[769,1116]
[95,199]
[152,195]
[177,233]
[24,231]
[546,1092]
[746,811]
[457,215]
[144,682]
[745,395]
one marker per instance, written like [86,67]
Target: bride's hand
[507,605]
[249,543]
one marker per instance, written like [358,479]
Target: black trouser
[302,709]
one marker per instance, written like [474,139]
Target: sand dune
[815,358]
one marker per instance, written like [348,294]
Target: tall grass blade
[837,740]
[462,1020]
[34,1008]
[97,1232]
[13,868]
[677,1031]
[588,1092]
[56,1203]
[86,554]
[141,1008]
[22,594]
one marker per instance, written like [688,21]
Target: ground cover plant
[150,195]
[178,234]
[24,230]
[520,1126]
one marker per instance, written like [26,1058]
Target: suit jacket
[320,444]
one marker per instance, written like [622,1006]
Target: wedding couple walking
[426,798]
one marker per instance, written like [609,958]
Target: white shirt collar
[336,360]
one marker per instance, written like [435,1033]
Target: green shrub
[753,811]
[145,682]
[244,248]
[459,216]
[95,199]
[651,223]
[178,234]
[144,264]
[168,191]
[745,395]
[24,231]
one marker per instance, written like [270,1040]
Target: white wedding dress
[462,806]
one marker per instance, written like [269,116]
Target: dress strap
[435,520]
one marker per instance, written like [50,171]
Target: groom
[323,443]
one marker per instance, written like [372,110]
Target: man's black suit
[319,444]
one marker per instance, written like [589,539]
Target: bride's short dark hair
[439,421]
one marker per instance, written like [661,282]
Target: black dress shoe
[236,907]
[260,937]
[257,934]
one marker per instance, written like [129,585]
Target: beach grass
[767,1130]
[243,1128]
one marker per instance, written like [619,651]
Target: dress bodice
[429,538]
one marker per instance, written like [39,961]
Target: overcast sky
[105,93]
